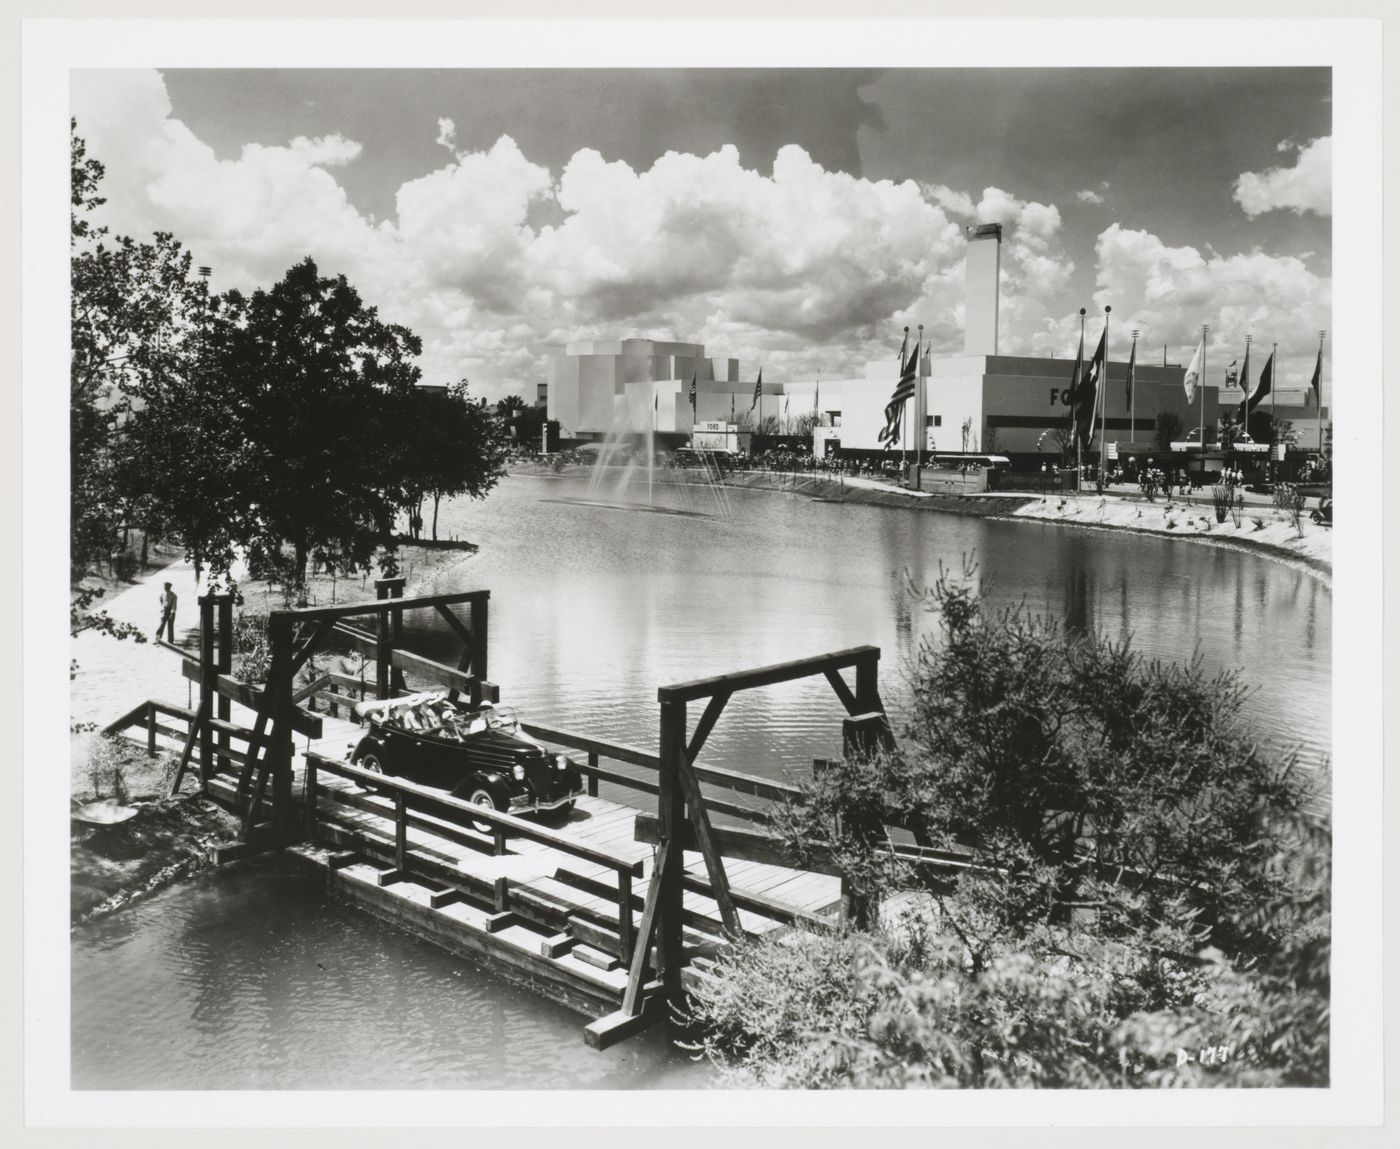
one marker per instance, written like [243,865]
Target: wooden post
[225,666]
[310,799]
[593,773]
[480,634]
[208,676]
[400,831]
[868,684]
[279,746]
[150,730]
[389,636]
[671,816]
[388,588]
[383,644]
[624,913]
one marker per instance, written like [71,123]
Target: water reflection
[254,979]
[592,609]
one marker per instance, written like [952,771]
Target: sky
[794,219]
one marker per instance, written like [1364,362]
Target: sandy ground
[116,676]
[1262,526]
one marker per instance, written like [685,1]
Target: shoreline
[1310,552]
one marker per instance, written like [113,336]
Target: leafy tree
[521,421]
[321,385]
[458,448]
[1168,430]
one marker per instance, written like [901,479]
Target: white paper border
[1352,49]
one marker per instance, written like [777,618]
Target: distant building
[1004,403]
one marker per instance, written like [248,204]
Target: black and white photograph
[629,569]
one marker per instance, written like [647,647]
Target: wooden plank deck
[600,822]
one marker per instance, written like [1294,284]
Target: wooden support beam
[843,692]
[310,645]
[713,709]
[671,802]
[450,617]
[208,675]
[608,1030]
[223,663]
[714,863]
[636,970]
[186,752]
[856,656]
[381,607]
[252,697]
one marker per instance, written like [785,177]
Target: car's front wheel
[479,792]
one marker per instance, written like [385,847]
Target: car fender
[367,743]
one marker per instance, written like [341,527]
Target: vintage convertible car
[481,756]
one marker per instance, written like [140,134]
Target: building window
[835,418]
[933,420]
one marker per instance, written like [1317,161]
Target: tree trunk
[300,548]
[436,497]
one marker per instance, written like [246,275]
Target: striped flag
[1244,375]
[693,378]
[903,392]
[757,390]
[1232,372]
[1317,380]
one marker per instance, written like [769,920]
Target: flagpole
[1321,335]
[1103,396]
[1273,420]
[919,402]
[1201,383]
[1132,394]
[1074,414]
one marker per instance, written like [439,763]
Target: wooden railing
[595,771]
[458,820]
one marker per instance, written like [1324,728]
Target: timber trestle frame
[295,635]
[689,907]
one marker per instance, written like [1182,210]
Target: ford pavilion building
[1010,404]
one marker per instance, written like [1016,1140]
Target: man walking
[168,601]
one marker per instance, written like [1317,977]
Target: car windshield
[501,717]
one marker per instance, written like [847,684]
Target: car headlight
[519,772]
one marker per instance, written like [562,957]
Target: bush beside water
[1147,902]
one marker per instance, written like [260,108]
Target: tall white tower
[981,287]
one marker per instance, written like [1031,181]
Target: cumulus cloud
[1092,195]
[326,151]
[1169,292]
[1306,186]
[798,269]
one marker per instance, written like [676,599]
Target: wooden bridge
[615,912]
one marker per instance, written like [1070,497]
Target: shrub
[1290,501]
[1258,523]
[252,648]
[1137,879]
[1222,498]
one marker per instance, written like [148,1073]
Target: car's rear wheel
[373,764]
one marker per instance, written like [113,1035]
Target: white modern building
[979,400]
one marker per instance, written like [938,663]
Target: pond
[252,979]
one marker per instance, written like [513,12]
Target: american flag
[903,392]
